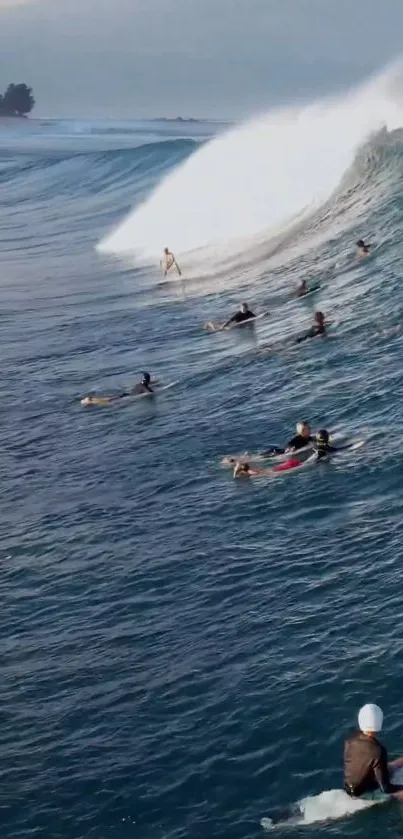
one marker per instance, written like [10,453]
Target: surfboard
[229,460]
[279,459]
[112,401]
[210,326]
[310,291]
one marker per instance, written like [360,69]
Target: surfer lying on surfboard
[243,314]
[141,388]
[317,328]
[321,450]
[302,439]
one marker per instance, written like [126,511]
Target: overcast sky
[213,58]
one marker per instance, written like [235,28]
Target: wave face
[259,176]
[182,653]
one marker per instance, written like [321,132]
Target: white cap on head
[370,718]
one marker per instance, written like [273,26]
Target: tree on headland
[17,101]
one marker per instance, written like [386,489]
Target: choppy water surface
[183,653]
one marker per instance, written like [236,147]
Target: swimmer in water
[366,767]
[362,248]
[168,261]
[140,388]
[318,328]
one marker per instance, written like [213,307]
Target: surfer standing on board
[168,261]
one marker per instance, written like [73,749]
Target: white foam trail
[260,175]
[328,805]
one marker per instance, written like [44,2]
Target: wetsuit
[315,330]
[296,443]
[239,317]
[365,766]
[137,390]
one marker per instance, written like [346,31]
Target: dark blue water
[183,653]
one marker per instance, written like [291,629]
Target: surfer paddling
[168,261]
[318,328]
[142,388]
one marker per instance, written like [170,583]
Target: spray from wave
[261,175]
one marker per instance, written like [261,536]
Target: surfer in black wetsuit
[143,387]
[362,248]
[243,314]
[366,768]
[318,328]
[302,438]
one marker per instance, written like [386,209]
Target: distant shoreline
[4,115]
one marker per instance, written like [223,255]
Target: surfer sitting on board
[141,388]
[302,438]
[243,314]
[366,768]
[362,248]
[318,328]
[168,261]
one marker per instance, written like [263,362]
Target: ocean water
[183,653]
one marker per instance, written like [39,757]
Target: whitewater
[261,176]
[184,653]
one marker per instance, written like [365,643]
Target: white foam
[260,175]
[327,806]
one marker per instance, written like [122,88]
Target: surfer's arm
[228,322]
[381,772]
[177,267]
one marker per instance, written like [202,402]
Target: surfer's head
[370,719]
[244,308]
[241,469]
[319,318]
[322,437]
[360,243]
[166,250]
[146,379]
[303,429]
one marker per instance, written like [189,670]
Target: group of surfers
[242,316]
[316,446]
[367,771]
